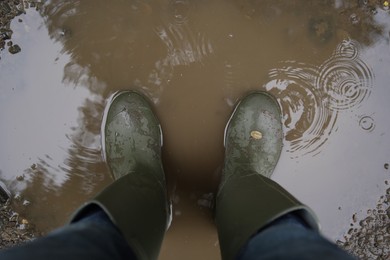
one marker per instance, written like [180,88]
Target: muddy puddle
[327,62]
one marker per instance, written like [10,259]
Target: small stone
[6,35]
[5,236]
[386,5]
[4,193]
[256,135]
[18,196]
[14,49]
[354,218]
[22,226]
[14,217]
[5,8]
[24,221]
[386,166]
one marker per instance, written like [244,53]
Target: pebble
[4,193]
[14,49]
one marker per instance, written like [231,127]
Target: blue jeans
[289,238]
[96,237]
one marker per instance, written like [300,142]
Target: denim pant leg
[92,237]
[289,238]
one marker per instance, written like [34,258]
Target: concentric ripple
[179,10]
[345,78]
[306,120]
[311,97]
[367,123]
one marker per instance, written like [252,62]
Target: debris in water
[354,18]
[26,203]
[386,166]
[321,29]
[386,5]
[206,200]
[18,196]
[257,135]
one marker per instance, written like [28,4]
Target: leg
[248,200]
[290,238]
[137,200]
[133,211]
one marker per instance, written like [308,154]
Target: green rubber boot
[247,198]
[136,201]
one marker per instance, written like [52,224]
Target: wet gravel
[9,9]
[14,230]
[369,238]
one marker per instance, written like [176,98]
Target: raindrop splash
[179,10]
[346,80]
[311,97]
[306,120]
[367,123]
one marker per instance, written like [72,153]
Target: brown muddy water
[327,62]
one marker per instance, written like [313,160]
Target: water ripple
[179,10]
[367,123]
[312,96]
[306,120]
[345,78]
[184,45]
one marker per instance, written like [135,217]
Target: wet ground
[327,62]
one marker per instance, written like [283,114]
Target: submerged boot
[136,201]
[247,198]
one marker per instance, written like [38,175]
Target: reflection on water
[50,141]
[311,96]
[194,60]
